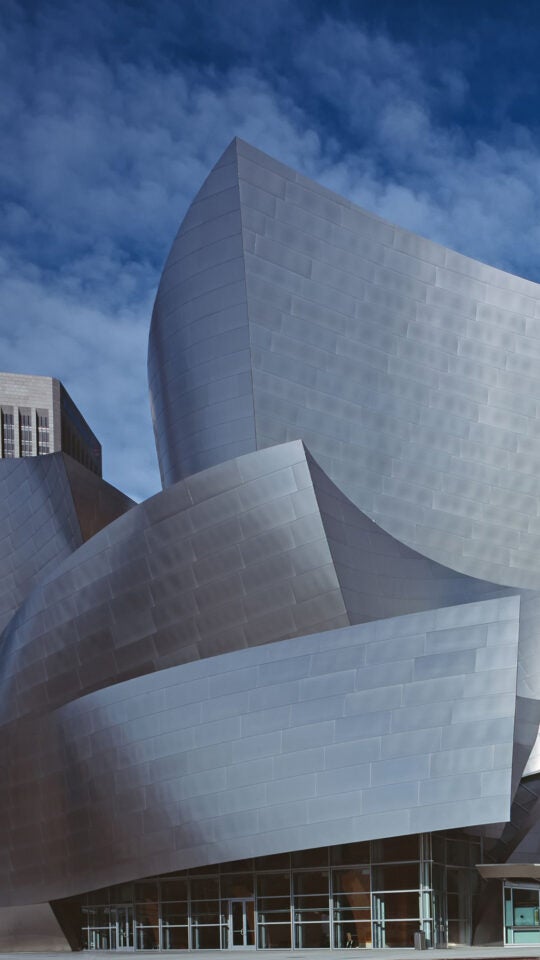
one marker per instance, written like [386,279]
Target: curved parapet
[378,575]
[232,557]
[393,727]
[412,373]
[259,549]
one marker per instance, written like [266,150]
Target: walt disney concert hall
[293,700]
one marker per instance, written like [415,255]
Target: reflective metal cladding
[324,629]
[411,373]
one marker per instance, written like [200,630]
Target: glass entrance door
[122,927]
[522,913]
[241,923]
[439,916]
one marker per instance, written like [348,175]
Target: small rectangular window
[25,434]
[8,434]
[42,433]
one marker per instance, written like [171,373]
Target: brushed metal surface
[262,548]
[232,557]
[202,763]
[325,627]
[48,506]
[412,373]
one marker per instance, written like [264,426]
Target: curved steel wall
[259,549]
[232,557]
[287,648]
[48,506]
[378,575]
[412,373]
[38,524]
[352,734]
[199,365]
[270,543]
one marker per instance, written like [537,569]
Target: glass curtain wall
[372,894]
[397,901]
[521,913]
[456,885]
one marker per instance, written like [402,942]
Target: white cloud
[102,154]
[100,355]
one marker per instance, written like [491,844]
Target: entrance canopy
[509,871]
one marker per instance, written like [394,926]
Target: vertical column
[426,905]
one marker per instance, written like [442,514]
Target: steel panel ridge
[230,757]
[411,372]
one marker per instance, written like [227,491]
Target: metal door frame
[127,911]
[241,946]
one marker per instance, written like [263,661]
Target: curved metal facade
[325,628]
[199,360]
[48,507]
[357,733]
[411,373]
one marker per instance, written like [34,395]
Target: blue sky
[114,111]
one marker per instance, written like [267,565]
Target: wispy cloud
[114,113]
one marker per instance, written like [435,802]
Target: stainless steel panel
[227,769]
[462,319]
[146,593]
[200,681]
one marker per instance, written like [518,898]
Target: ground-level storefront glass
[521,912]
[377,893]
